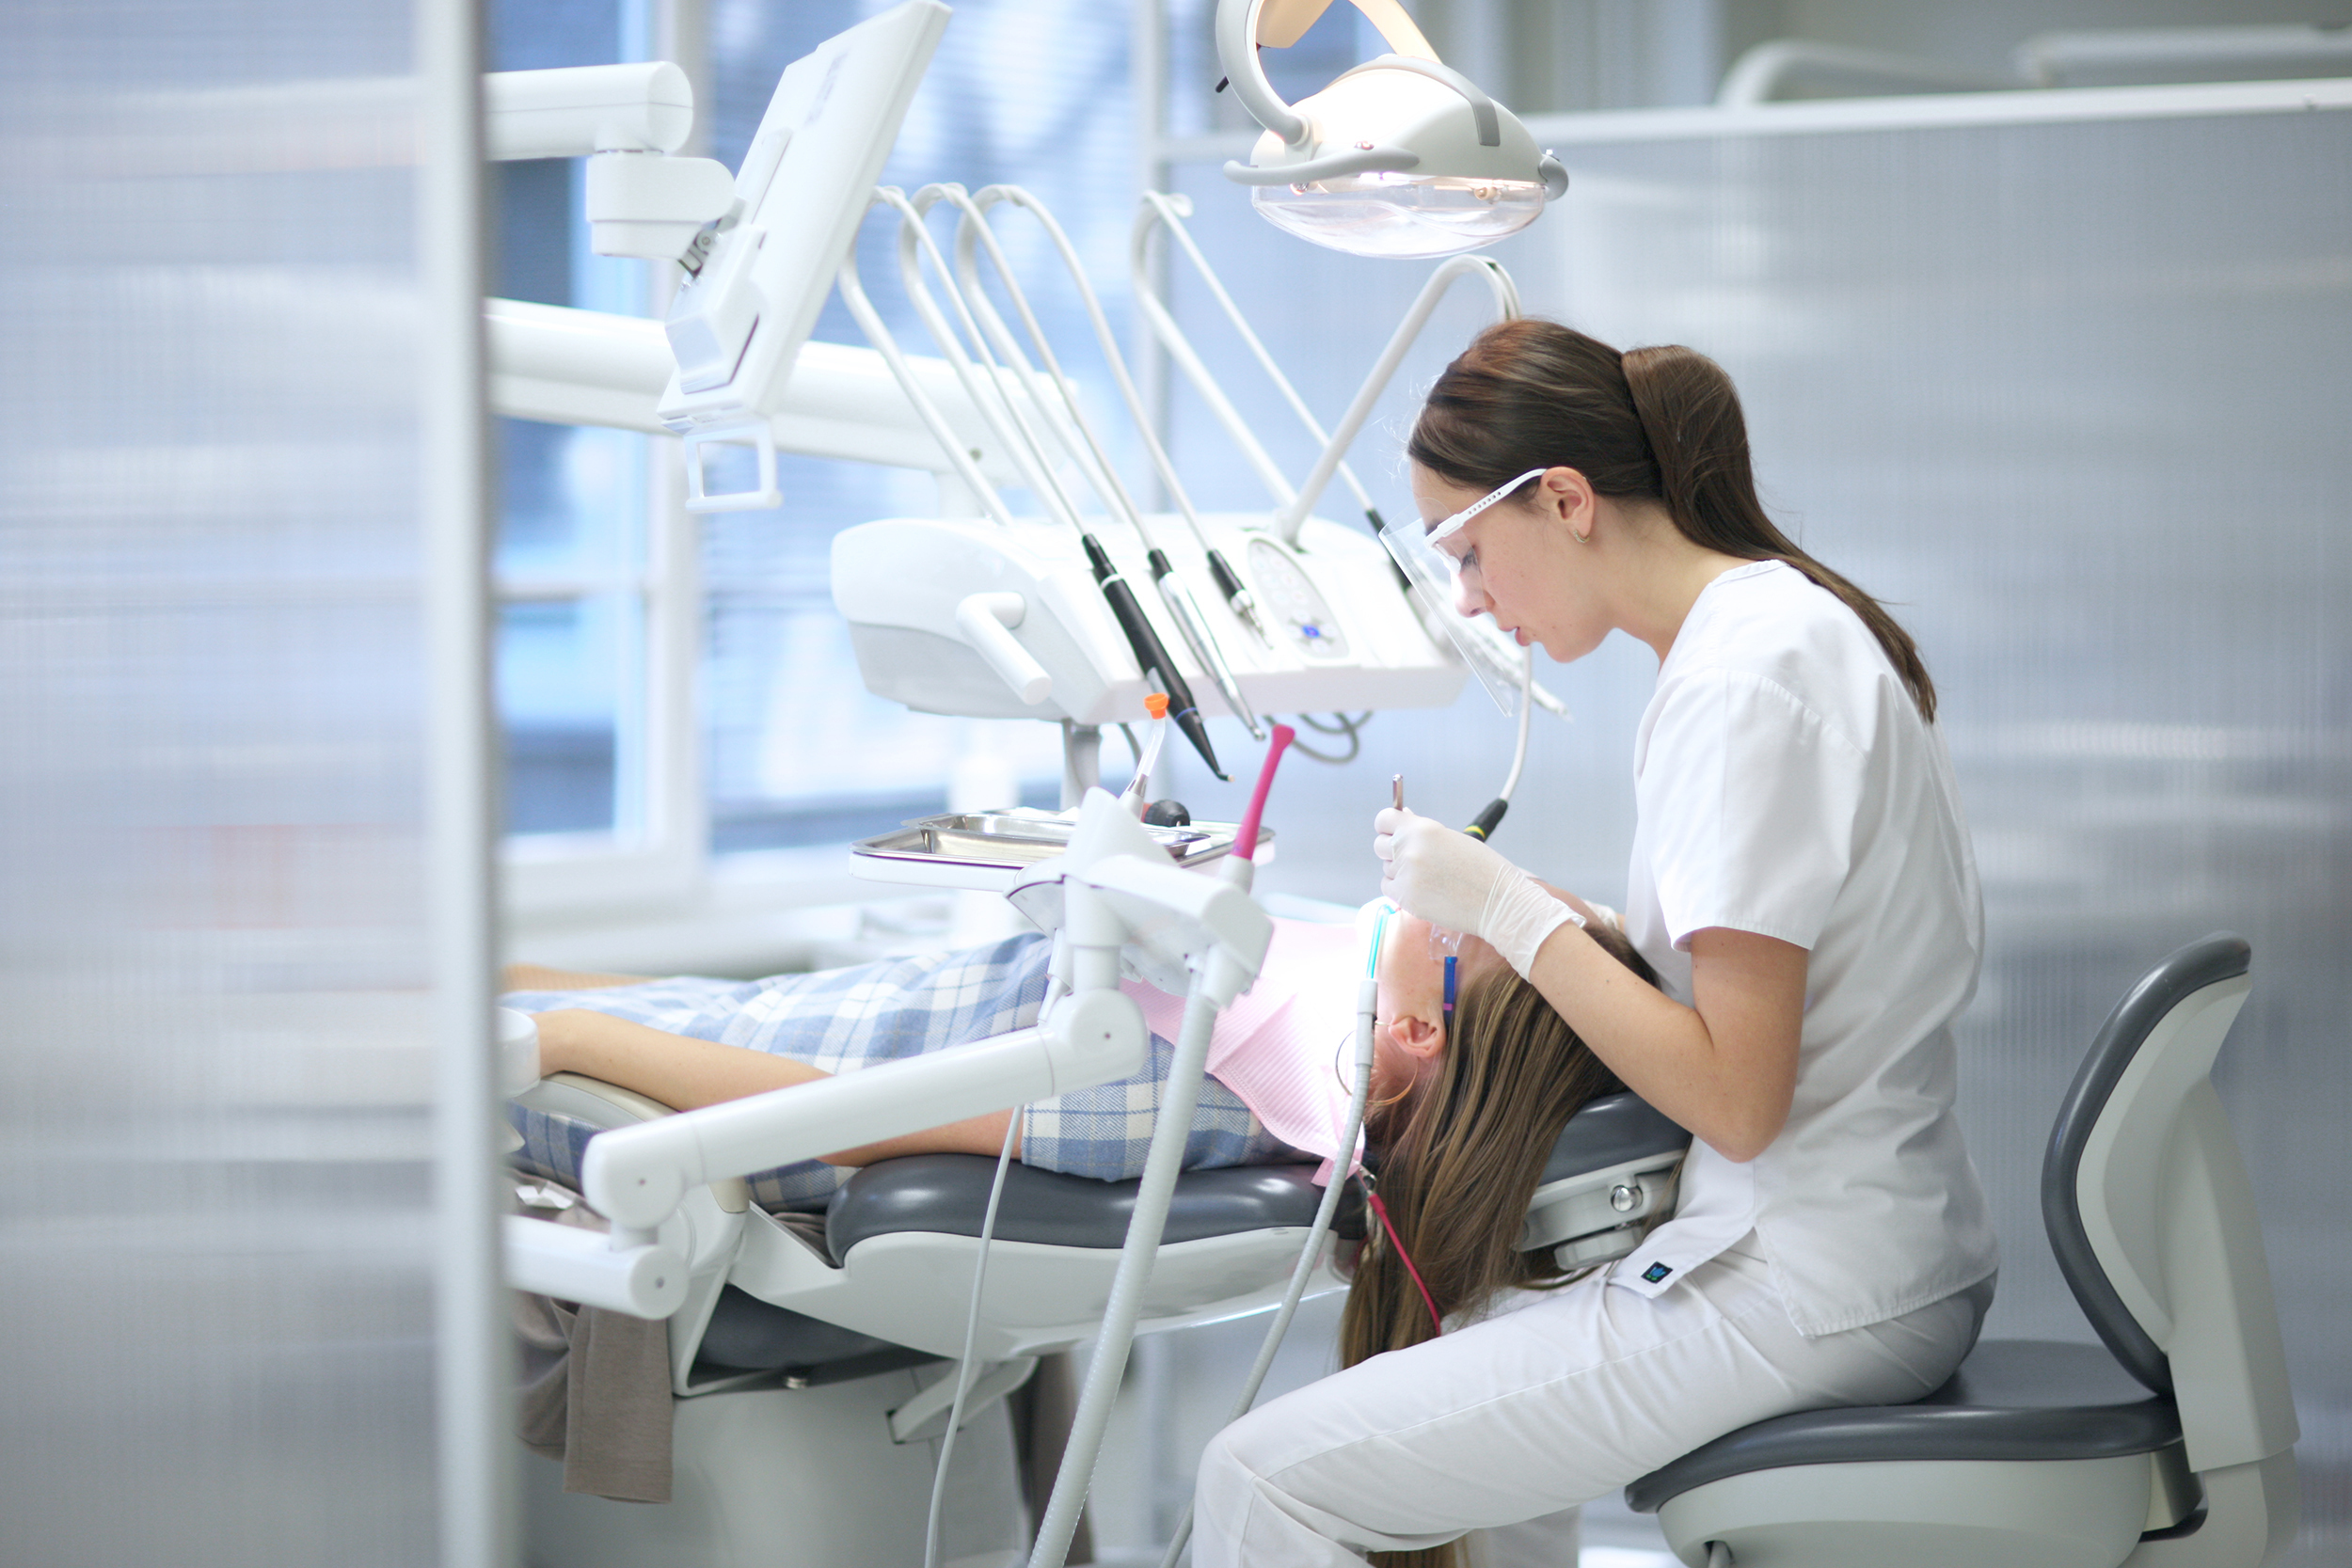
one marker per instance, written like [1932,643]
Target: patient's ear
[1418,1037]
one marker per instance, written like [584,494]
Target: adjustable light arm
[1243,25]
[1237,51]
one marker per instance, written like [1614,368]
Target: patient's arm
[540,977]
[687,1074]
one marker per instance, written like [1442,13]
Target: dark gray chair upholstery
[947,1195]
[1614,1130]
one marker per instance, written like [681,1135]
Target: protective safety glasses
[1447,527]
[1432,558]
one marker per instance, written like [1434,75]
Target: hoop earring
[1583,538]
[1370,1105]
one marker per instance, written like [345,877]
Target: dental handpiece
[1198,637]
[1148,652]
[1238,597]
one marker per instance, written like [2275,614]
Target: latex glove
[1448,878]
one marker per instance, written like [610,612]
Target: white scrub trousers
[1537,1410]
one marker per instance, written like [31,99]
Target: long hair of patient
[1458,1162]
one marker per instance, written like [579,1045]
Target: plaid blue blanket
[842,1020]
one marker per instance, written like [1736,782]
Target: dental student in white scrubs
[1803,882]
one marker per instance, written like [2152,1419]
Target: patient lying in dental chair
[1472,1081]
[1276,1089]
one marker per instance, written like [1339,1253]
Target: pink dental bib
[1276,1045]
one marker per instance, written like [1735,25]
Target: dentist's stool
[2170,1446]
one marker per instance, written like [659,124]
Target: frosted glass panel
[215,1068]
[2071,397]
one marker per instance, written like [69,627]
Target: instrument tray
[1017,839]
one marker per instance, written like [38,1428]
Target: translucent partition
[245,1133]
[2071,395]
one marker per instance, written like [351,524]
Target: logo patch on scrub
[1656,1271]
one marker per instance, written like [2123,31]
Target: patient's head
[1459,1144]
[1411,1026]
[1410,1021]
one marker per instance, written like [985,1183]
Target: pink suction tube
[1246,843]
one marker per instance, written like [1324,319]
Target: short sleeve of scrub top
[1753,797]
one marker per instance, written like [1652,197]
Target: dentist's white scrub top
[1787,786]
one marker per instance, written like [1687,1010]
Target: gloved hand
[1451,879]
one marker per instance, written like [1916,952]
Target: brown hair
[1663,424]
[1460,1158]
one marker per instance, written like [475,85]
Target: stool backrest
[2152,1217]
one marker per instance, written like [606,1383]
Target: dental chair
[2168,1445]
[813,1361]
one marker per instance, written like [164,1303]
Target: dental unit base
[765,1455]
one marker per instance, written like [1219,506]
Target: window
[593,579]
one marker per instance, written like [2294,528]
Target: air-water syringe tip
[1155,703]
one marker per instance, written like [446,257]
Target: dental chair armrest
[632,1106]
[608,1106]
[648,1280]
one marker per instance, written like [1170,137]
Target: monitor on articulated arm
[758,249]
[757,281]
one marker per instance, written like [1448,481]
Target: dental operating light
[1401,156]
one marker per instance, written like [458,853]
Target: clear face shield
[1436,558]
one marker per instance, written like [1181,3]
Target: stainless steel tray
[1013,840]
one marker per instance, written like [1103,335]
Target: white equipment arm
[1506,296]
[643,1279]
[1159,209]
[623,118]
[588,367]
[636,1175]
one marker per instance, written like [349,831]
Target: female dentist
[1803,882]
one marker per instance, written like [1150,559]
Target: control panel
[1293,606]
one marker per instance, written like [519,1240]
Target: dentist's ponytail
[1660,424]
